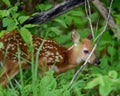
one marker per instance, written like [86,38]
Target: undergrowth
[102,80]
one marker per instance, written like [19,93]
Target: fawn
[51,55]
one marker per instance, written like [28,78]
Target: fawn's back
[13,42]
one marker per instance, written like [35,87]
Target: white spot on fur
[57,58]
[20,43]
[61,57]
[14,61]
[52,54]
[13,48]
[70,48]
[25,44]
[5,40]
[57,53]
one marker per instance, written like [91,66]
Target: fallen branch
[68,5]
[53,12]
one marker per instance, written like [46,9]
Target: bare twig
[95,45]
[108,18]
[88,16]
[104,12]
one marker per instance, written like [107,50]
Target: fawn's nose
[96,61]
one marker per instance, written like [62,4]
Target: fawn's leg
[42,66]
[3,78]
[58,69]
[61,69]
[10,71]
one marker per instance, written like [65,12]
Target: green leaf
[55,30]
[9,23]
[27,37]
[48,82]
[68,19]
[62,22]
[77,13]
[92,83]
[4,13]
[47,85]
[101,81]
[113,74]
[13,9]
[44,7]
[106,88]
[21,19]
[111,50]
[1,91]
[104,63]
[30,26]
[7,2]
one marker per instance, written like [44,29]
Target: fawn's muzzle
[96,61]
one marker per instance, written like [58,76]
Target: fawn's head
[84,48]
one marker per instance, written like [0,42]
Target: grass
[28,83]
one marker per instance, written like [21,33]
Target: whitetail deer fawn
[51,55]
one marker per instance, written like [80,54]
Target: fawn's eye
[86,51]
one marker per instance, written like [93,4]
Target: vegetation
[102,80]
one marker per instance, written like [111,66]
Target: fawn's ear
[90,36]
[75,37]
